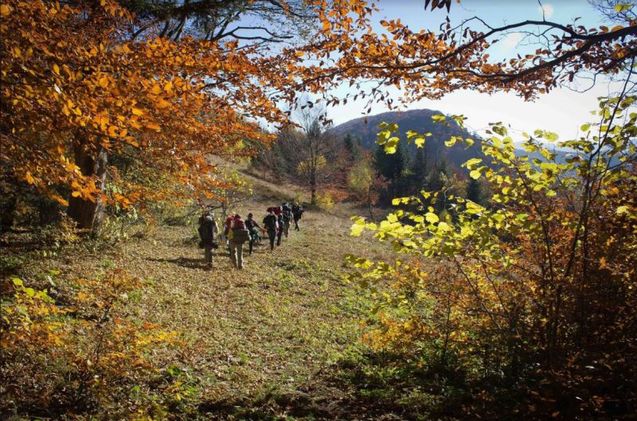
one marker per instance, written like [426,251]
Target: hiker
[207,232]
[253,229]
[270,224]
[239,236]
[297,212]
[279,231]
[286,212]
[276,210]
[227,230]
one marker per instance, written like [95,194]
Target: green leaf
[17,282]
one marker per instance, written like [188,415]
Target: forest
[419,258]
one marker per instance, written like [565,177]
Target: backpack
[206,231]
[238,224]
[270,222]
[240,235]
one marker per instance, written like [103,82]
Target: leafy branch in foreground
[538,285]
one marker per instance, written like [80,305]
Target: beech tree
[428,64]
[74,91]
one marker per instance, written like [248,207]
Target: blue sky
[562,110]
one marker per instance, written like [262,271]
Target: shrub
[324,201]
[85,357]
[536,292]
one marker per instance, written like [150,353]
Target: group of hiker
[237,231]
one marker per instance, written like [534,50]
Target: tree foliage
[539,286]
[75,92]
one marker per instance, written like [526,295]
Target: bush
[532,298]
[324,201]
[85,357]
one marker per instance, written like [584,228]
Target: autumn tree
[270,21]
[533,289]
[75,91]
[428,63]
[314,147]
[365,183]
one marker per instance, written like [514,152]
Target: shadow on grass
[367,389]
[186,262]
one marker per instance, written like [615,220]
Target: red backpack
[238,224]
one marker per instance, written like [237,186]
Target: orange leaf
[29,178]
[154,126]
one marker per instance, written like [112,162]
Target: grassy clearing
[258,343]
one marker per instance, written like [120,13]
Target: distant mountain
[366,128]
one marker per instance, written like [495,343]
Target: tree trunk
[88,214]
[313,188]
[7,207]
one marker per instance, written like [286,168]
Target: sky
[561,111]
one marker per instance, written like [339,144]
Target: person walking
[279,231]
[286,212]
[271,225]
[297,212]
[253,229]
[227,230]
[238,237]
[208,230]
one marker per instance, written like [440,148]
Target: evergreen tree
[353,147]
[419,169]
[390,166]
[474,191]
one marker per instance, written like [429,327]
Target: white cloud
[546,10]
[512,40]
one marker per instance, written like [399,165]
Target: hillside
[365,129]
[264,342]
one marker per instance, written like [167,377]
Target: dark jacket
[207,230]
[269,222]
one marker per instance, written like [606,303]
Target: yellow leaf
[29,178]
[5,10]
[156,89]
[431,217]
[168,87]
[103,82]
[76,194]
[56,69]
[137,111]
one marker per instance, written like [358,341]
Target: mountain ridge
[420,120]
